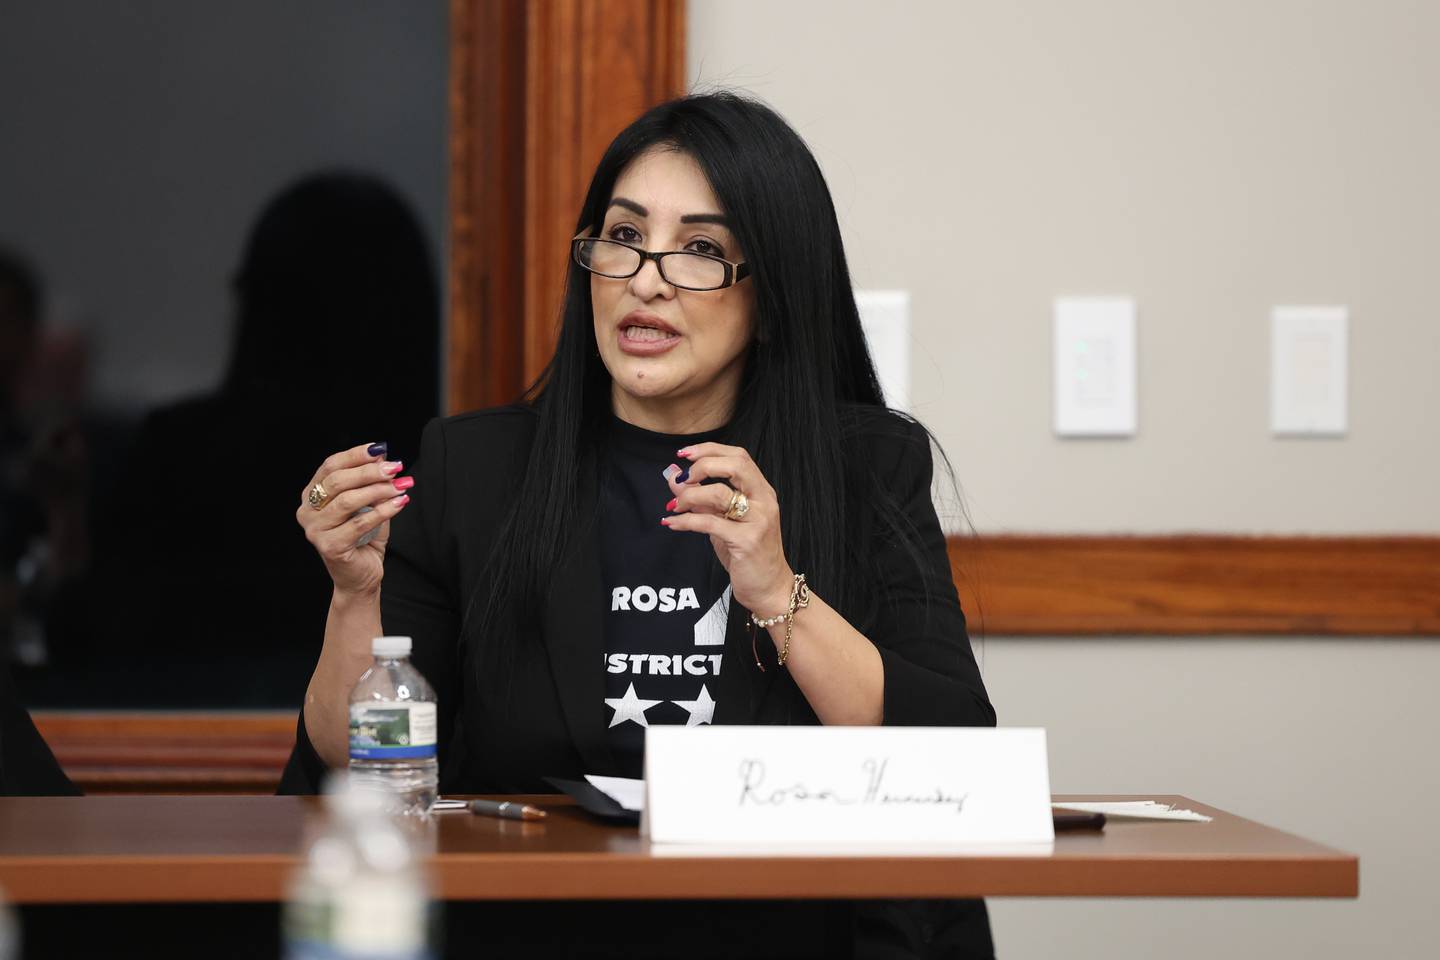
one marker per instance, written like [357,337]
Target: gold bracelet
[799,599]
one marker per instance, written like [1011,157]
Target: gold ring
[318,496]
[739,506]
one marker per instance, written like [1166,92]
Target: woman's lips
[645,341]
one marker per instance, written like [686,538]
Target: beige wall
[1330,739]
[1209,158]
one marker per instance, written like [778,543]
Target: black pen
[493,808]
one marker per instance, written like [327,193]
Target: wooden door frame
[526,131]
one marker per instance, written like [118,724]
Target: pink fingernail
[672,504]
[664,521]
[404,483]
[683,453]
[391,468]
[401,500]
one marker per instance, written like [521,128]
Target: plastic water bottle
[9,932]
[392,730]
[361,894]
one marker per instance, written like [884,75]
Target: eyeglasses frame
[734,271]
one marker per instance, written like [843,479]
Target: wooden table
[243,849]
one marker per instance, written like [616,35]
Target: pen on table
[504,809]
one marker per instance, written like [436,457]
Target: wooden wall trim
[1027,586]
[170,752]
[538,90]
[1199,585]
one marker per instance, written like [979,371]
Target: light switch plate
[1309,378]
[885,318]
[1094,367]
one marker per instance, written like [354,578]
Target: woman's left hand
[748,548]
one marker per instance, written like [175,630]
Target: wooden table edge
[1324,873]
[266,878]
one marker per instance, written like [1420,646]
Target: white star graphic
[702,708]
[629,707]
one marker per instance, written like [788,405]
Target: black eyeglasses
[679,268]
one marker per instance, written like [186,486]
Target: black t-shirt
[666,596]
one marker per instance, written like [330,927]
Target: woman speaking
[702,512]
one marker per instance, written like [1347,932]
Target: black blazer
[506,726]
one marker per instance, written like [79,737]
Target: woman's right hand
[352,479]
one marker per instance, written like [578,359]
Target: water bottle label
[324,951]
[367,919]
[392,731]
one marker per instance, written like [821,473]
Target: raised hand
[333,515]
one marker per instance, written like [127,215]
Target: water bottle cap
[390,646]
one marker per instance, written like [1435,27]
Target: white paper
[629,793]
[850,787]
[1135,810]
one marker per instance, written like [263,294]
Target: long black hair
[807,371]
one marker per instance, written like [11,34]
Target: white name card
[892,786]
